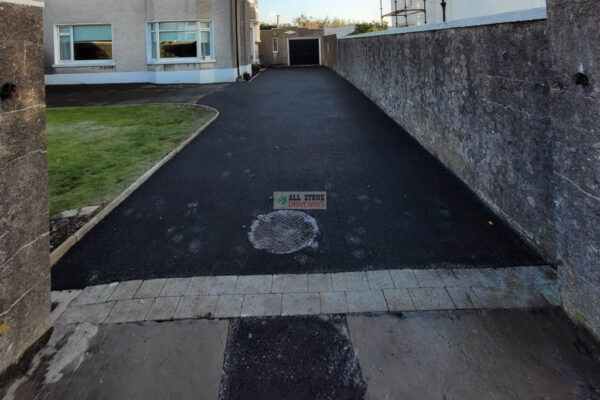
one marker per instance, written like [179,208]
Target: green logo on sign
[282,200]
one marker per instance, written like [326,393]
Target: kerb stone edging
[77,236]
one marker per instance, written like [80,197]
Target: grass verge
[94,153]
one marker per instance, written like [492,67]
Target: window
[81,43]
[181,40]
[275,45]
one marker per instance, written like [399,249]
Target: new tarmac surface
[390,203]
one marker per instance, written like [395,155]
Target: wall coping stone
[34,3]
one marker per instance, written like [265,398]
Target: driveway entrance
[390,203]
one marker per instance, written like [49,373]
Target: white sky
[361,10]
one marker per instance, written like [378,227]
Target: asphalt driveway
[391,204]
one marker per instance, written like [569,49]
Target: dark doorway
[304,52]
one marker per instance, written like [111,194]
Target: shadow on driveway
[134,93]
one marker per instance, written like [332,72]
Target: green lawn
[94,153]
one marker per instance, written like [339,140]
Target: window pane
[154,55]
[92,33]
[178,44]
[65,48]
[64,29]
[92,42]
[205,25]
[177,26]
[205,43]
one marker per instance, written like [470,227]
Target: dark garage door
[304,52]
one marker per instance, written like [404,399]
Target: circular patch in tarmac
[283,232]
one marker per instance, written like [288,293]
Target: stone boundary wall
[24,240]
[500,105]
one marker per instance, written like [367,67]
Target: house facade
[455,10]
[291,46]
[155,41]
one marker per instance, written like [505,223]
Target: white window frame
[275,41]
[181,60]
[80,63]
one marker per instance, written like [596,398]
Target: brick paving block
[229,306]
[333,303]
[398,300]
[300,304]
[404,278]
[366,301]
[150,289]
[350,281]
[163,309]
[489,277]
[431,299]
[95,294]
[550,293]
[129,311]
[290,284]
[196,307]
[256,305]
[175,287]
[459,277]
[509,297]
[223,285]
[428,278]
[380,280]
[254,284]
[199,286]
[125,290]
[92,313]
[463,298]
[319,283]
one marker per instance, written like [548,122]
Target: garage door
[304,52]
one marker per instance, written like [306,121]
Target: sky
[360,10]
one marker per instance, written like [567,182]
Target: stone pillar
[575,115]
[24,240]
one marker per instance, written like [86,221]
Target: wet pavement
[390,203]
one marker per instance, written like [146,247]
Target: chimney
[278,21]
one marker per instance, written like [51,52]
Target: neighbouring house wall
[24,243]
[329,51]
[458,9]
[268,57]
[498,106]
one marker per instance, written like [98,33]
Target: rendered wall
[24,240]
[499,106]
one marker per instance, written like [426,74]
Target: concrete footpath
[471,354]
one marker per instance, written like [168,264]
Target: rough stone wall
[478,99]
[24,244]
[499,106]
[575,114]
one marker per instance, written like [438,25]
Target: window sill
[76,64]
[181,61]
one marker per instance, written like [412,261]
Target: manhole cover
[283,232]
